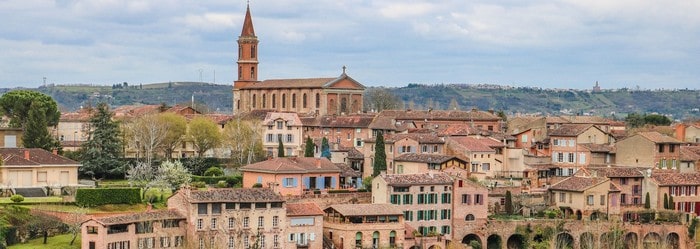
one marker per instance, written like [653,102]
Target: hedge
[100,196]
[231,180]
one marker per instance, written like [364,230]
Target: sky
[651,44]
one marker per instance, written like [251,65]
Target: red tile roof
[424,158]
[657,137]
[422,138]
[472,144]
[140,217]
[461,130]
[690,153]
[430,178]
[16,157]
[346,121]
[234,195]
[577,183]
[569,130]
[675,179]
[292,165]
[303,209]
[365,209]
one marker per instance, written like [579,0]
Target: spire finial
[344,67]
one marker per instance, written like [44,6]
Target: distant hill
[679,104]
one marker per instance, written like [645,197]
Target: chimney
[26,154]
[430,173]
[55,152]
[318,162]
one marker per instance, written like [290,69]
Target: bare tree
[204,134]
[381,98]
[242,138]
[150,131]
[74,221]
[143,176]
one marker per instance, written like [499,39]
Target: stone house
[150,229]
[687,132]
[586,197]
[292,175]
[470,207]
[682,187]
[413,163]
[397,144]
[350,161]
[649,149]
[690,159]
[566,141]
[630,182]
[285,127]
[349,131]
[232,218]
[31,168]
[304,226]
[351,226]
[485,155]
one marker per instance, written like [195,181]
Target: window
[276,241]
[446,198]
[395,199]
[264,101]
[146,242]
[216,208]
[661,148]
[623,181]
[623,198]
[524,139]
[318,100]
[231,242]
[261,221]
[213,223]
[470,217]
[231,223]
[478,199]
[289,182]
[571,157]
[671,148]
[424,148]
[164,242]
[144,227]
[252,72]
[118,245]
[486,166]
[467,199]
[560,157]
[275,221]
[254,101]
[280,124]
[602,200]
[408,199]
[270,137]
[202,208]
[358,239]
[303,101]
[179,241]
[262,241]
[246,242]
[562,197]
[284,100]
[246,222]
[92,230]
[408,215]
[200,224]
[589,200]
[252,51]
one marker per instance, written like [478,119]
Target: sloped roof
[248,29]
[618,171]
[365,209]
[461,130]
[16,157]
[140,217]
[586,119]
[577,183]
[690,153]
[430,178]
[303,209]
[347,171]
[422,138]
[291,117]
[472,144]
[346,121]
[657,137]
[598,147]
[569,130]
[473,115]
[292,165]
[424,158]
[235,195]
[302,83]
[673,179]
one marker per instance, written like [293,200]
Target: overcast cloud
[553,44]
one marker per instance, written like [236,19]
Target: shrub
[198,184]
[214,171]
[17,198]
[221,184]
[257,185]
[230,180]
[101,196]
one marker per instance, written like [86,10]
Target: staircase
[327,243]
[30,192]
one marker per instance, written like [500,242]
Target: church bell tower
[247,62]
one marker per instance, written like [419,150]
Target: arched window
[343,104]
[303,101]
[264,102]
[470,217]
[358,239]
[254,102]
[284,101]
[294,100]
[392,239]
[375,239]
[274,101]
[252,73]
[252,51]
[318,100]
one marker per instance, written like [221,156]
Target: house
[470,207]
[681,188]
[292,175]
[72,128]
[285,127]
[485,154]
[426,199]
[586,197]
[150,229]
[690,159]
[413,163]
[231,218]
[346,131]
[25,168]
[566,143]
[10,137]
[304,226]
[629,180]
[649,149]
[397,144]
[687,132]
[351,226]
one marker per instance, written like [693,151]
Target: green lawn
[48,199]
[55,242]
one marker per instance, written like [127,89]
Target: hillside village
[318,170]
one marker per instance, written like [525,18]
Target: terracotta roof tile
[672,179]
[430,178]
[347,121]
[291,118]
[577,183]
[424,158]
[472,144]
[690,153]
[569,130]
[586,119]
[617,172]
[657,137]
[347,171]
[16,156]
[235,195]
[292,165]
[422,138]
[140,217]
[598,147]
[365,209]
[303,209]
[461,130]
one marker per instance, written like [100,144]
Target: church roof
[304,83]
[248,24]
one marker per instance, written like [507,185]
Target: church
[318,96]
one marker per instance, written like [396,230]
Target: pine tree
[280,148]
[647,201]
[325,148]
[379,155]
[103,149]
[509,203]
[36,133]
[309,150]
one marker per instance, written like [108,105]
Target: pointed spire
[248,24]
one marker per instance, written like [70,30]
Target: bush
[198,184]
[221,184]
[257,185]
[102,196]
[17,198]
[230,180]
[214,171]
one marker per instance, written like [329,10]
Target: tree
[656,119]
[671,204]
[17,104]
[325,148]
[243,138]
[148,133]
[173,175]
[379,155]
[74,220]
[204,134]
[103,149]
[280,147]
[634,120]
[509,203]
[381,98]
[143,176]
[36,133]
[647,201]
[42,223]
[177,128]
[502,115]
[665,201]
[309,149]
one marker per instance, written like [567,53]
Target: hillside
[678,103]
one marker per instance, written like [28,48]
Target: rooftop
[140,217]
[430,178]
[292,165]
[31,157]
[657,137]
[303,209]
[365,209]
[472,144]
[424,158]
[569,130]
[235,195]
[577,183]
[671,179]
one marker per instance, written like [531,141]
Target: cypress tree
[671,205]
[665,201]
[379,155]
[509,203]
[280,148]
[647,201]
[309,150]
[325,148]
